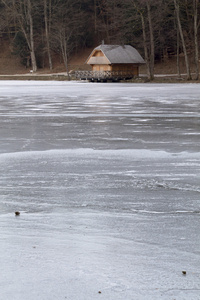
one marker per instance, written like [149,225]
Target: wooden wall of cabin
[101,68]
[126,68]
[117,67]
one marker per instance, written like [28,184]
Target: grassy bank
[35,77]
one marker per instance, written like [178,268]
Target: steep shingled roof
[117,54]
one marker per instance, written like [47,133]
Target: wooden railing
[104,75]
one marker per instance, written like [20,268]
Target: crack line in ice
[166,213]
[135,153]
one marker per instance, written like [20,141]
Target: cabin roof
[116,54]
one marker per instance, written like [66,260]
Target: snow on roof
[117,54]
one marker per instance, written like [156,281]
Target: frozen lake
[107,181]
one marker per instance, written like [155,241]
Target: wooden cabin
[114,62]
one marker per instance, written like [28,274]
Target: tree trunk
[63,47]
[177,54]
[152,51]
[182,40]
[47,35]
[195,6]
[95,17]
[32,49]
[33,61]
[145,46]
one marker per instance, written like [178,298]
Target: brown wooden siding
[101,68]
[126,68]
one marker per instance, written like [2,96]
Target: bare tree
[66,27]
[143,8]
[177,10]
[145,46]
[196,46]
[152,50]
[109,20]
[22,12]
[3,19]
[177,54]
[29,34]
[47,22]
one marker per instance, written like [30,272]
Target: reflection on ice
[106,179]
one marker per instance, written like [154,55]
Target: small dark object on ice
[184,272]
[99,292]
[17,213]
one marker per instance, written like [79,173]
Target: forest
[36,29]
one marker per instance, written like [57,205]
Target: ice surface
[106,179]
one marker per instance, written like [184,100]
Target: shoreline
[159,78]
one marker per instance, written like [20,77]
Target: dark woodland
[37,29]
